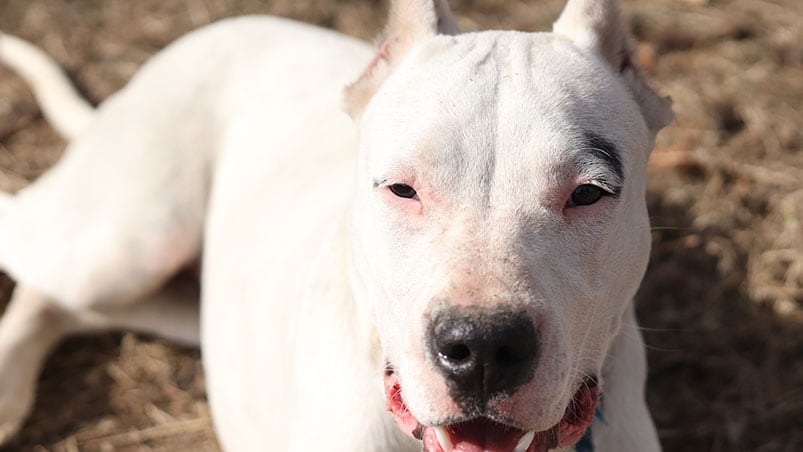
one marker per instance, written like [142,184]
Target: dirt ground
[722,302]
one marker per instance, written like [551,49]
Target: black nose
[483,352]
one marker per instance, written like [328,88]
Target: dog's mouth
[482,434]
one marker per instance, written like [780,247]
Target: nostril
[455,353]
[509,356]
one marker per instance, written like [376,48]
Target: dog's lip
[483,434]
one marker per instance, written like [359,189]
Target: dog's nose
[483,352]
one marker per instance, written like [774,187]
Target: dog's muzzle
[484,355]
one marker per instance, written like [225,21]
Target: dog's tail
[64,108]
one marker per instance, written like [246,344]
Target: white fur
[231,143]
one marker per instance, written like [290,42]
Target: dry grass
[722,303]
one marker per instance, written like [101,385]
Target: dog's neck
[623,421]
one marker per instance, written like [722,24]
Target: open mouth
[485,435]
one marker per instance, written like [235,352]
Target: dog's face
[499,232]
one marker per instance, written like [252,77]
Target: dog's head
[500,226]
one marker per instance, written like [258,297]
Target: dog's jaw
[480,434]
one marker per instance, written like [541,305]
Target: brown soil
[722,303]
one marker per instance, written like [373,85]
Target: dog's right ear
[596,26]
[411,21]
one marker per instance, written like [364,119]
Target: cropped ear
[596,26]
[410,22]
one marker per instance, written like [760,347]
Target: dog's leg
[29,329]
[171,313]
[34,324]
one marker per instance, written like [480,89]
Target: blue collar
[585,444]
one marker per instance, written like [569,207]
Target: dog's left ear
[596,26]
[411,21]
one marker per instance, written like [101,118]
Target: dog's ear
[596,26]
[410,22]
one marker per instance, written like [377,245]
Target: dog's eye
[587,194]
[403,191]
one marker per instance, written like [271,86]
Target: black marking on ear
[606,152]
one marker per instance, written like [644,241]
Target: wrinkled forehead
[528,93]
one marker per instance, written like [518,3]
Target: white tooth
[524,442]
[443,438]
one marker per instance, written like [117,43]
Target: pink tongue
[483,435]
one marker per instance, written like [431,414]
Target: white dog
[472,273]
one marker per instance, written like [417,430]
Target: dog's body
[318,273]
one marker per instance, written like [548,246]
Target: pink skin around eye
[559,200]
[409,205]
